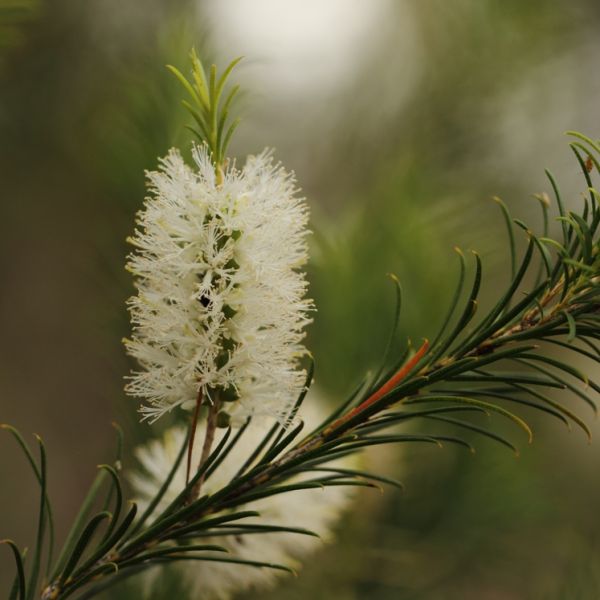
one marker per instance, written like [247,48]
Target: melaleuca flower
[317,510]
[220,307]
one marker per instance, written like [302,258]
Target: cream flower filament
[220,302]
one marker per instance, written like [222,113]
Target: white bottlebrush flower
[220,305]
[316,509]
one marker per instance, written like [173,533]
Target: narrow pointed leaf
[20,578]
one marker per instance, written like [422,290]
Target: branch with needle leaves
[523,351]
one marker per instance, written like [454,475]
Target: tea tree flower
[315,509]
[219,308]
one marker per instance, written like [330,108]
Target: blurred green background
[401,119]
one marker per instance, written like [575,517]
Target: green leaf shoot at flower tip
[210,106]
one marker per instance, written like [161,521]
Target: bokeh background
[401,119]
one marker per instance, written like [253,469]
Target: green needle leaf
[119,497]
[82,543]
[480,403]
[108,544]
[23,445]
[82,515]
[511,236]
[32,584]
[20,570]
[164,487]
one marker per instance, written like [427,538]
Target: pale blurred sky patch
[302,61]
[299,44]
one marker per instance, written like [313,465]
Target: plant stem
[209,437]
[193,426]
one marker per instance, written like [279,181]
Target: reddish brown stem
[209,437]
[388,386]
[193,426]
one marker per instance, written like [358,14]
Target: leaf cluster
[210,105]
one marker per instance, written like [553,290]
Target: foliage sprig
[210,105]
